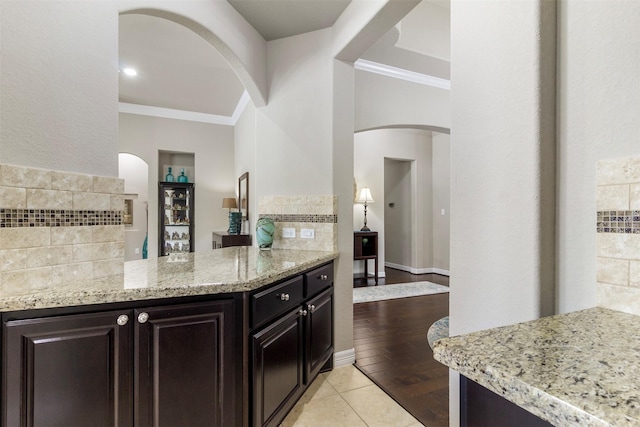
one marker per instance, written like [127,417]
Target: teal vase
[169,177]
[265,229]
[235,222]
[182,177]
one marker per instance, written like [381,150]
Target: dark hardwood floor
[390,340]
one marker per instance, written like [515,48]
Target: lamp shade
[365,196]
[229,203]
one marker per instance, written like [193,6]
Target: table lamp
[365,197]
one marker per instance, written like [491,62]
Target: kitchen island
[226,337]
[575,369]
[235,269]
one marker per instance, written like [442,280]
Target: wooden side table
[365,247]
[222,239]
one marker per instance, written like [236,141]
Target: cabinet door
[185,369]
[319,338]
[68,371]
[277,369]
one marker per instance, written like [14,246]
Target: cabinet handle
[311,308]
[143,317]
[123,319]
[302,312]
[323,277]
[284,297]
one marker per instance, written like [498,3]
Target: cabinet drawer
[318,280]
[271,302]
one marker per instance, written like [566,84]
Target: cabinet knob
[302,312]
[123,319]
[311,308]
[323,277]
[284,297]
[143,317]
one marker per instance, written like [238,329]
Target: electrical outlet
[308,233]
[288,233]
[137,251]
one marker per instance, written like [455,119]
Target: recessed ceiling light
[130,72]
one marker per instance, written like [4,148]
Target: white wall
[441,200]
[215,176]
[384,101]
[599,104]
[502,165]
[370,150]
[245,161]
[294,129]
[59,85]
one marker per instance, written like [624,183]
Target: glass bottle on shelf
[169,177]
[182,177]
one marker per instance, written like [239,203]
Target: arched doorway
[135,173]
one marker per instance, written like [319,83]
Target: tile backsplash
[58,226]
[618,234]
[318,213]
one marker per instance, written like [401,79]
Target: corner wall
[503,166]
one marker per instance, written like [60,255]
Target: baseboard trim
[344,358]
[414,270]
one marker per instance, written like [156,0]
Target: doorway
[398,208]
[135,173]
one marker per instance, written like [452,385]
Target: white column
[502,165]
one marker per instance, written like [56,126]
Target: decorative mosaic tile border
[325,219]
[11,218]
[627,222]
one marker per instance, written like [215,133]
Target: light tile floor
[345,397]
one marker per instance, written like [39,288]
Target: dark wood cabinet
[222,239]
[480,407]
[365,247]
[185,365]
[175,364]
[319,337]
[277,360]
[176,208]
[68,371]
[291,342]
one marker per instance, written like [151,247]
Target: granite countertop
[581,368]
[234,269]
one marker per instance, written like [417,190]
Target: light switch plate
[289,233]
[308,233]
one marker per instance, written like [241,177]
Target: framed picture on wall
[243,195]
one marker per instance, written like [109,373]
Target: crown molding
[192,116]
[402,74]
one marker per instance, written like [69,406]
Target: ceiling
[275,19]
[179,70]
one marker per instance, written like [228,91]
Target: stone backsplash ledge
[318,213]
[618,234]
[57,226]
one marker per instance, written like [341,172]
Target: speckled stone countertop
[234,269]
[576,369]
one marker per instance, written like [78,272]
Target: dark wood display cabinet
[169,365]
[175,218]
[291,342]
